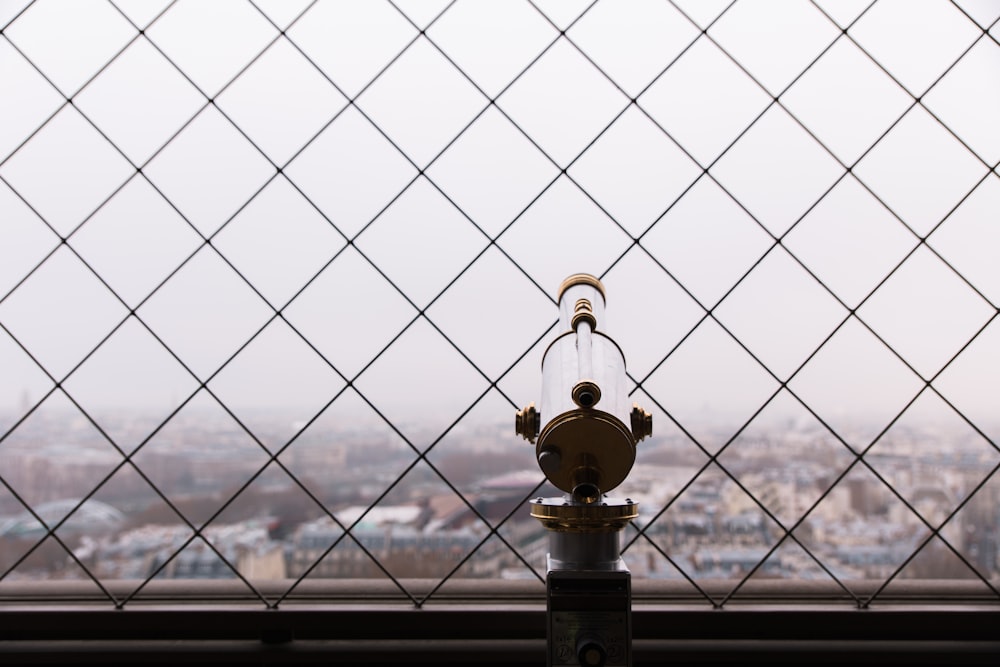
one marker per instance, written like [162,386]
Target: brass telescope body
[588,445]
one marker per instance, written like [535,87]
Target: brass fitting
[590,442]
[583,311]
[580,279]
[642,423]
[586,394]
[586,489]
[599,517]
[527,423]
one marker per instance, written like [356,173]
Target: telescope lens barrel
[585,436]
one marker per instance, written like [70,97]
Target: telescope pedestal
[588,586]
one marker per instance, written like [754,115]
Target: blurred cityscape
[288,521]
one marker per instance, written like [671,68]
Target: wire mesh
[266,255]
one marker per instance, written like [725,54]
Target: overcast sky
[356,182]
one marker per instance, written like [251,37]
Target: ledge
[370,591]
[490,622]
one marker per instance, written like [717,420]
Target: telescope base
[588,586]
[589,618]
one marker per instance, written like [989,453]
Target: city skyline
[709,519]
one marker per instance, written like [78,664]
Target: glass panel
[290,345]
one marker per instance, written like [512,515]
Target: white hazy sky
[380,174]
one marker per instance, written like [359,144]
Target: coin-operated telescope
[585,434]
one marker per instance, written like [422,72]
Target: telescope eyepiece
[586,394]
[586,493]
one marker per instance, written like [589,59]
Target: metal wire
[490,242]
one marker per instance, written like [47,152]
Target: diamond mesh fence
[275,275]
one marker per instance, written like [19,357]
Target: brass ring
[581,279]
